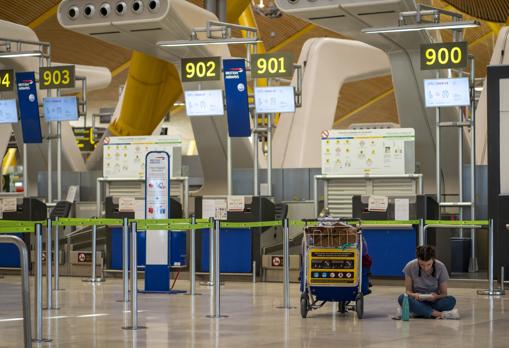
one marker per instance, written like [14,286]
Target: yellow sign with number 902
[200,69]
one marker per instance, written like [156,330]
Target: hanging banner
[29,108]
[157,204]
[237,103]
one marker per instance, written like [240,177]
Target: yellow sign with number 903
[57,77]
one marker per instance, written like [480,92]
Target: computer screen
[274,99]
[60,109]
[204,103]
[447,92]
[8,111]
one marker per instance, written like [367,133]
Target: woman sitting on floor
[426,287]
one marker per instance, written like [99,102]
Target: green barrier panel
[389,222]
[161,221]
[171,227]
[458,222]
[14,223]
[12,229]
[87,222]
[251,224]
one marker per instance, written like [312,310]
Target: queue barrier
[9,226]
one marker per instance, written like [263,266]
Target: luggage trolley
[332,266]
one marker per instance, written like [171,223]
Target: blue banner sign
[237,103]
[29,108]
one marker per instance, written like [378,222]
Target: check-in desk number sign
[200,69]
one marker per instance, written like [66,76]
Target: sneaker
[397,316]
[453,314]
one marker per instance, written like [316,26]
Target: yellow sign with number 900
[444,56]
[6,80]
[201,69]
[57,77]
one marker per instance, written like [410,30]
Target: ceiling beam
[43,18]
[292,38]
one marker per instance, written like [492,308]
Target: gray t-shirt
[426,283]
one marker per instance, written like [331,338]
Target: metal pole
[125,260]
[25,170]
[49,292]
[50,165]
[211,6]
[254,271]
[315,195]
[59,160]
[460,169]
[421,232]
[192,282]
[57,256]
[286,263]
[472,266]
[211,253]
[94,278]
[229,164]
[269,154]
[437,152]
[25,285]
[221,10]
[134,280]
[38,285]
[502,279]
[216,291]
[217,272]
[256,164]
[491,288]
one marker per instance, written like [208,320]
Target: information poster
[157,201]
[29,108]
[124,157]
[368,151]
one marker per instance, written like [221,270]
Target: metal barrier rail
[25,285]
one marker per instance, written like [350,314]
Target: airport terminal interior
[254,173]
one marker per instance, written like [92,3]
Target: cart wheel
[304,305]
[342,307]
[359,306]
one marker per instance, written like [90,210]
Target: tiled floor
[91,317]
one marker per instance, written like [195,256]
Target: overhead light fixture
[9,54]
[187,43]
[423,26]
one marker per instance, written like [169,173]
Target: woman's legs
[419,308]
[444,304]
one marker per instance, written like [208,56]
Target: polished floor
[89,316]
